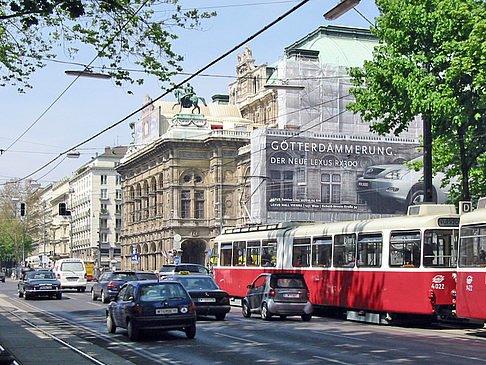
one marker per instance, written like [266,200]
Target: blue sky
[91,105]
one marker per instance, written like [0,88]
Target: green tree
[431,62]
[139,31]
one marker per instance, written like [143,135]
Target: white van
[71,273]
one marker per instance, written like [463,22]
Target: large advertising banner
[350,174]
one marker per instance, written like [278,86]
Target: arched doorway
[193,251]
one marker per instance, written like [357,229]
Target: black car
[39,283]
[2,275]
[146,275]
[174,269]
[206,294]
[283,294]
[108,284]
[152,305]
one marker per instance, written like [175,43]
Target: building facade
[181,183]
[94,203]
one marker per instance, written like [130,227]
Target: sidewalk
[26,345]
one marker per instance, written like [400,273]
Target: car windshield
[124,277]
[161,291]
[288,282]
[40,275]
[167,269]
[72,266]
[146,276]
[196,283]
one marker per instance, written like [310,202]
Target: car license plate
[207,300]
[363,183]
[291,295]
[45,287]
[71,278]
[166,311]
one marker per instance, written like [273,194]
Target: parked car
[38,283]
[206,294]
[391,187]
[173,269]
[2,276]
[152,305]
[282,294]
[108,284]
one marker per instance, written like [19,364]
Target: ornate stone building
[181,183]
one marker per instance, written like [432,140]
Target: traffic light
[62,209]
[23,210]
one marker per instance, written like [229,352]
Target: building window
[282,184]
[118,179]
[118,223]
[117,237]
[117,209]
[104,208]
[104,194]
[199,199]
[331,188]
[185,204]
[104,237]
[104,179]
[118,194]
[103,223]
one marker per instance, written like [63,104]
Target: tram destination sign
[448,222]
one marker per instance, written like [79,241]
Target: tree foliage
[431,61]
[119,31]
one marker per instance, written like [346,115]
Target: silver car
[282,294]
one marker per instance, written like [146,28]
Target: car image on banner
[391,188]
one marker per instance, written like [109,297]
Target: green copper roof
[336,45]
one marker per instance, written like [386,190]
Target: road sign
[177,259]
[135,257]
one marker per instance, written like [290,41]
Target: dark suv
[282,294]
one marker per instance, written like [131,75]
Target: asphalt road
[238,340]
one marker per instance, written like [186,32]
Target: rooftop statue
[187,98]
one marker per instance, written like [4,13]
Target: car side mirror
[249,286]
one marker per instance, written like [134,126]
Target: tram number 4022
[438,286]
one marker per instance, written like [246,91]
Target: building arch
[194,251]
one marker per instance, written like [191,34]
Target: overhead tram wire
[74,81]
[224,55]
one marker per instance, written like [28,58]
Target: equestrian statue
[187,98]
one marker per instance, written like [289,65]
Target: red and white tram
[471,271]
[376,270]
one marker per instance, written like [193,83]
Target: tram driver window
[344,250]
[440,248]
[405,249]
[301,252]
[472,251]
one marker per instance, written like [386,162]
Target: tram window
[213,260]
[253,253]
[440,248]
[472,252]
[321,251]
[239,253]
[370,250]
[344,250]
[268,253]
[226,253]
[301,252]
[405,249]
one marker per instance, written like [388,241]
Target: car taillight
[272,293]
[85,276]
[58,276]
[111,284]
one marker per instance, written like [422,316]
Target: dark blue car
[152,305]
[108,284]
[38,283]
